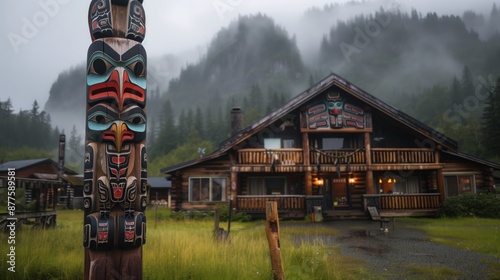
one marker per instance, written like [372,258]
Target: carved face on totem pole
[115,175]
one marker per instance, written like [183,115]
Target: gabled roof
[328,82]
[490,164]
[308,95]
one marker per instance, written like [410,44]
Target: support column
[368,158]
[440,185]
[307,162]
[234,189]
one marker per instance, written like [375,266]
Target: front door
[339,193]
[336,193]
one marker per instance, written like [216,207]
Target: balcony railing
[268,156]
[342,156]
[417,201]
[352,156]
[391,156]
[257,203]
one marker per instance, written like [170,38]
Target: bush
[481,205]
[235,216]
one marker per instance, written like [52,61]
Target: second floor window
[333,143]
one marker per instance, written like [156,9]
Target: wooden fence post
[273,238]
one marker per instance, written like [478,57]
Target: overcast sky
[41,38]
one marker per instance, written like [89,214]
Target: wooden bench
[375,215]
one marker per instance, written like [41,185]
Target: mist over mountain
[393,52]
[417,62]
[251,50]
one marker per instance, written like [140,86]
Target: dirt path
[402,252]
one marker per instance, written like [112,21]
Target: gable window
[207,189]
[272,143]
[333,143]
[459,184]
[288,143]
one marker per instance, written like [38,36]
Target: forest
[441,69]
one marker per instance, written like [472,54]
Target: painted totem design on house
[335,113]
[115,175]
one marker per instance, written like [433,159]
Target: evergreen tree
[491,124]
[456,92]
[467,82]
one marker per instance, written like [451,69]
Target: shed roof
[159,182]
[22,164]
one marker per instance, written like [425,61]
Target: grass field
[186,249]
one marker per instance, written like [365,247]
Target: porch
[298,206]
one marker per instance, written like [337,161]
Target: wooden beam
[368,159]
[234,189]
[273,238]
[440,185]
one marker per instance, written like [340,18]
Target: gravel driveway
[387,255]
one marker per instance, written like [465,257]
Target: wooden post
[440,185]
[273,238]
[216,223]
[115,162]
[307,162]
[156,210]
[368,158]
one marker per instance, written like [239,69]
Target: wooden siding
[483,176]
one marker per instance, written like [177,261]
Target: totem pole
[115,175]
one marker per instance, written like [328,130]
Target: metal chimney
[236,120]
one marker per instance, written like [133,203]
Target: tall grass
[180,250]
[186,249]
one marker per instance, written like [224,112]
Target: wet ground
[401,252]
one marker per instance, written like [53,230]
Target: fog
[43,38]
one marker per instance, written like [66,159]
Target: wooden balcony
[330,157]
[267,156]
[402,156]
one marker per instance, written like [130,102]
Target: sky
[41,38]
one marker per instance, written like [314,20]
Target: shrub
[235,216]
[481,205]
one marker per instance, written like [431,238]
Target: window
[333,143]
[405,185]
[272,143]
[267,185]
[459,184]
[288,143]
[207,189]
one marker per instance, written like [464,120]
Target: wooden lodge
[334,146]
[39,188]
